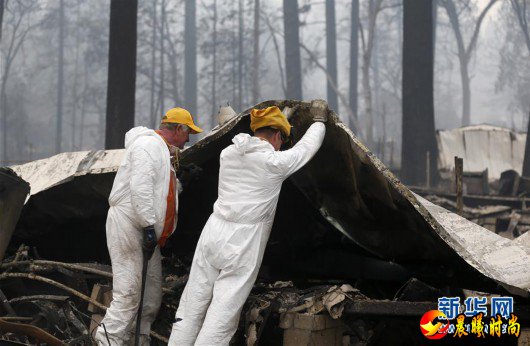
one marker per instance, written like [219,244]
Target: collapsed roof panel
[344,215]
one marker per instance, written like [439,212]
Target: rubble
[351,239]
[47,300]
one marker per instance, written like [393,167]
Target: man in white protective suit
[230,249]
[142,214]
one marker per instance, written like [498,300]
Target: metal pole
[428,170]
[459,170]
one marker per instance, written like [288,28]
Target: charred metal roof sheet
[349,188]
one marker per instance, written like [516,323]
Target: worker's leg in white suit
[239,259]
[231,290]
[124,243]
[194,301]
[152,299]
[153,292]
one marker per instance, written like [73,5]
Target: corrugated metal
[482,147]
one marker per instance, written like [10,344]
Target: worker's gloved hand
[319,110]
[149,241]
[189,173]
[321,116]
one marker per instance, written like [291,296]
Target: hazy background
[499,66]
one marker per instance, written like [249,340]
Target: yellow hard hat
[269,117]
[180,116]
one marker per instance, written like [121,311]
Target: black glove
[188,174]
[149,241]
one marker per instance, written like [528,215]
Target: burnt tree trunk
[418,105]
[240,56]
[152,72]
[520,12]
[374,7]
[75,96]
[190,58]
[122,71]
[162,74]
[60,81]
[434,28]
[214,65]
[2,6]
[255,59]
[293,66]
[354,62]
[331,54]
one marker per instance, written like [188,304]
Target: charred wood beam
[32,276]
[58,264]
[388,308]
[29,330]
[47,297]
[475,201]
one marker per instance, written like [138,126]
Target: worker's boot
[145,340]
[102,338]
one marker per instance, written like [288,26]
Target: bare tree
[293,66]
[60,81]
[162,94]
[75,84]
[343,98]
[214,63]
[418,105]
[241,27]
[465,52]
[2,6]
[272,31]
[19,28]
[190,58]
[520,9]
[256,54]
[368,38]
[354,61]
[152,106]
[331,54]
[122,71]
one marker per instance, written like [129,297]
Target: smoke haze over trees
[204,54]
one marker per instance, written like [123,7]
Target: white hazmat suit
[230,249]
[138,199]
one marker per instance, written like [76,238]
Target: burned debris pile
[63,303]
[46,301]
[494,193]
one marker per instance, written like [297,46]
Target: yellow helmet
[269,117]
[180,116]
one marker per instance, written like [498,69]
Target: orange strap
[169,222]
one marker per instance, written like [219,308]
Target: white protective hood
[244,143]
